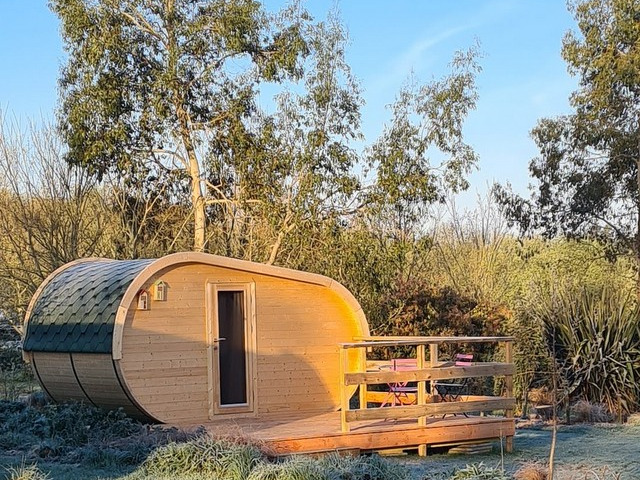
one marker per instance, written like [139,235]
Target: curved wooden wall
[159,368]
[83,377]
[164,361]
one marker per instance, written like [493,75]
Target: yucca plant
[596,339]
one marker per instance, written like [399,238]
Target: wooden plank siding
[299,326]
[55,372]
[97,375]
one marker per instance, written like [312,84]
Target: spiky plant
[596,339]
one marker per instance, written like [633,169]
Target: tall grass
[210,458]
[597,344]
[203,456]
[26,472]
[479,472]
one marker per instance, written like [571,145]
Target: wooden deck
[322,433]
[418,420]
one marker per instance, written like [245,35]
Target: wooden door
[231,339]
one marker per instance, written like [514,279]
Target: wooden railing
[428,369]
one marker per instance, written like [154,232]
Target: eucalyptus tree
[588,171]
[421,157]
[309,176]
[152,84]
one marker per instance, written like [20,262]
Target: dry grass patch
[634,420]
[532,471]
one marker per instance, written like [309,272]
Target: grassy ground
[581,449]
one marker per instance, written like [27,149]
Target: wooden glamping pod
[191,337]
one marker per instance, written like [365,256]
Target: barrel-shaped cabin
[191,337]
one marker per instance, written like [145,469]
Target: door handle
[216,340]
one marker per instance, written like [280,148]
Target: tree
[50,214]
[421,155]
[588,171]
[293,170]
[149,217]
[160,82]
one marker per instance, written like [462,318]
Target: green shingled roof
[76,310]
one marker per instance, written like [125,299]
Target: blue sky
[523,78]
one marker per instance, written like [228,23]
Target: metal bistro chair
[451,391]
[399,391]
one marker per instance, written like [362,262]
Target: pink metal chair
[399,391]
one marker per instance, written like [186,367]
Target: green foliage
[479,472]
[426,121]
[294,171]
[155,87]
[587,172]
[596,339]
[150,98]
[418,308]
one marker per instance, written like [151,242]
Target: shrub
[532,471]
[296,468]
[416,307]
[341,467]
[16,377]
[634,420]
[596,338]
[586,412]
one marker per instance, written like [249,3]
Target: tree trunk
[197,200]
[191,162]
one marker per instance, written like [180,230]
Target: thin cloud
[416,58]
[414,55]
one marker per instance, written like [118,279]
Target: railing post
[433,362]
[508,384]
[344,394]
[422,394]
[363,387]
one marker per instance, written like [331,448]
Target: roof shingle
[76,310]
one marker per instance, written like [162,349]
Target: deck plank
[321,433]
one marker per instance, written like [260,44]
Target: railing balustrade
[428,369]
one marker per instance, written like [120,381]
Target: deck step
[477,448]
